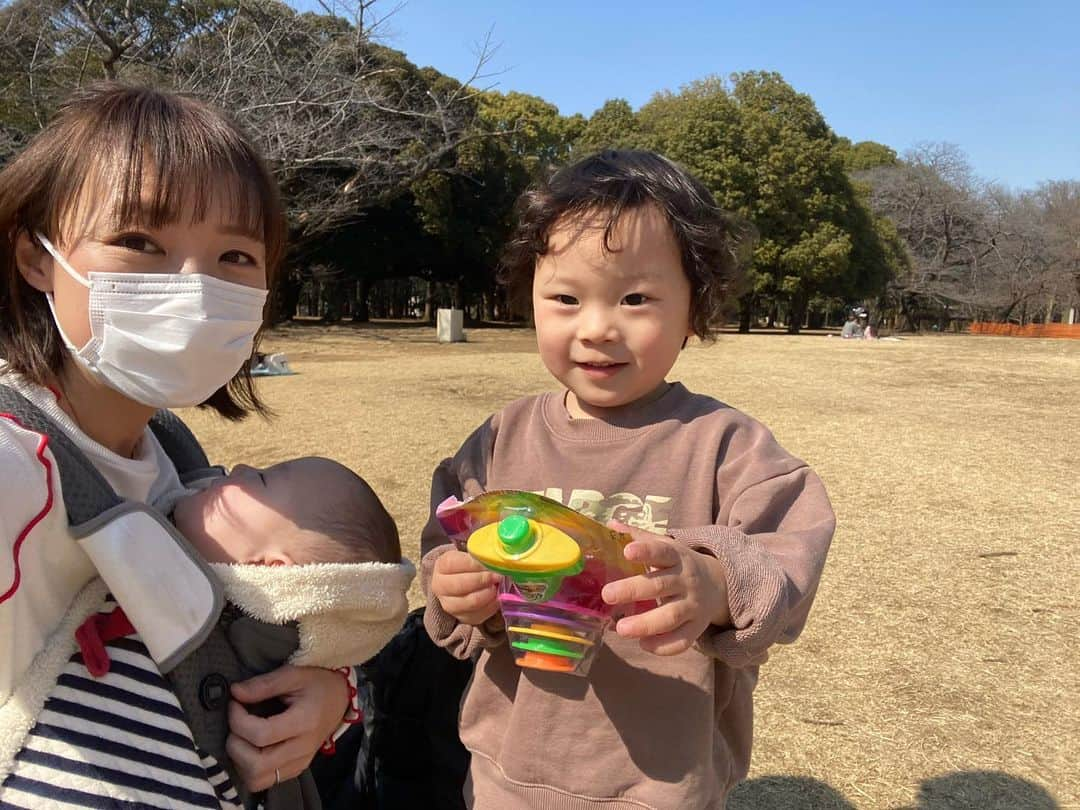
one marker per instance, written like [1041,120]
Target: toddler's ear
[34,262]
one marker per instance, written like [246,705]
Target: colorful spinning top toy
[554,561]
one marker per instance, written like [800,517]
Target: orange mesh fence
[1031,330]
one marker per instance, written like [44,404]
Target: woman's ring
[277,776]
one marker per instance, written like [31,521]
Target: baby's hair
[353,525]
[610,183]
[138,156]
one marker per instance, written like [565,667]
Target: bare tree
[977,250]
[345,121]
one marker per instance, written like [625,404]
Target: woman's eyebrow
[236,229]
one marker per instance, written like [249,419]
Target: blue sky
[999,79]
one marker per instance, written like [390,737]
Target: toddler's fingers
[642,588]
[677,641]
[465,584]
[653,551]
[655,622]
[470,602]
[456,561]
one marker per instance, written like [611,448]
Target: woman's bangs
[155,190]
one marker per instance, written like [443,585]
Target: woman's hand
[266,750]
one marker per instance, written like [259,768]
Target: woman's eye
[237,257]
[140,244]
[634,299]
[566,300]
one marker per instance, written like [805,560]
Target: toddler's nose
[596,326]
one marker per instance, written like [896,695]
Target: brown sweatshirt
[642,731]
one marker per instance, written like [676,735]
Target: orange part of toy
[551,663]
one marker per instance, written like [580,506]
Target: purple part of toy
[541,617]
[554,603]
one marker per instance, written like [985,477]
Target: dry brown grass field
[941,664]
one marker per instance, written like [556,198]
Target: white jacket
[49,585]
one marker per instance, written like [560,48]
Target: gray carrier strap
[86,492]
[176,607]
[181,446]
[238,648]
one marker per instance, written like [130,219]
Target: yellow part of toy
[555,634]
[519,544]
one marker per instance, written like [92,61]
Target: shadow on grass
[781,792]
[963,790]
[982,790]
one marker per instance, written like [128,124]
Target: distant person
[851,328]
[626,256]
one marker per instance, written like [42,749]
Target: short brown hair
[612,182]
[114,136]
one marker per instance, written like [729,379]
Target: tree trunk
[362,313]
[746,313]
[429,301]
[286,298]
[1049,310]
[796,314]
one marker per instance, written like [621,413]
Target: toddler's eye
[566,300]
[634,299]
[136,242]
[237,257]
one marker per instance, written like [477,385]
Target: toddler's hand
[466,590]
[689,586]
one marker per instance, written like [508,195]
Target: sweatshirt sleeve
[772,532]
[463,476]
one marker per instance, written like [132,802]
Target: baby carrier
[216,655]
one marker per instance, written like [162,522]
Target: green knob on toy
[516,534]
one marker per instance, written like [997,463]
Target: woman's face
[213,246]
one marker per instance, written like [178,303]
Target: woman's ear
[34,262]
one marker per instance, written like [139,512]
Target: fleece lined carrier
[192,690]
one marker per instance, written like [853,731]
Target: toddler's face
[252,515]
[610,324]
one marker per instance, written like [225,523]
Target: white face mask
[167,340]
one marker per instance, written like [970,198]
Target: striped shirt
[119,741]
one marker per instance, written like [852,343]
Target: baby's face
[252,515]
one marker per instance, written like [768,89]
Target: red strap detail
[95,633]
[42,446]
[353,713]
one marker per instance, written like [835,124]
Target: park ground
[940,668]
